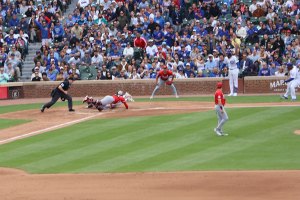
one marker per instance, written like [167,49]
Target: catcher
[164,76]
[109,101]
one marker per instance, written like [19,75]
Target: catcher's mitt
[169,82]
[63,99]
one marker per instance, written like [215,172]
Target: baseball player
[233,72]
[164,76]
[107,101]
[220,110]
[61,91]
[292,82]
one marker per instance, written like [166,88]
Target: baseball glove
[63,99]
[169,82]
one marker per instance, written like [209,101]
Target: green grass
[260,139]
[21,107]
[238,99]
[6,123]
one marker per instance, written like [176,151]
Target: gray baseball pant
[222,117]
[160,83]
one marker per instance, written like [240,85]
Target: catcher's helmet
[120,93]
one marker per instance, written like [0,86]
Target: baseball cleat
[177,96]
[218,132]
[43,108]
[293,99]
[283,97]
[234,94]
[71,110]
[230,94]
[151,97]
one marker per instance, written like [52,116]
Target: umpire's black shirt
[65,85]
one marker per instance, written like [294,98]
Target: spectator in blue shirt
[58,32]
[14,21]
[210,64]
[10,40]
[158,36]
[170,37]
[264,71]
[159,19]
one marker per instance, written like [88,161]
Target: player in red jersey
[164,76]
[107,102]
[220,110]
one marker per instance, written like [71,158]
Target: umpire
[61,91]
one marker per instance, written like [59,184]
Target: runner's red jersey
[219,95]
[164,76]
[119,99]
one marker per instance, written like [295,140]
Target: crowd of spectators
[132,39]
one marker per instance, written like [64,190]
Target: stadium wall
[201,86]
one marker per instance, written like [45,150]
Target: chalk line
[47,129]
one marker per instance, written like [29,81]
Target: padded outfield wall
[98,88]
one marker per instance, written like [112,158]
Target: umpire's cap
[219,85]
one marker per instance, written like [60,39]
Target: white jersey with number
[231,62]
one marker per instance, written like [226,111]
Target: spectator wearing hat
[44,27]
[188,71]
[151,49]
[58,32]
[36,75]
[210,63]
[24,24]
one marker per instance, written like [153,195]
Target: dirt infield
[229,185]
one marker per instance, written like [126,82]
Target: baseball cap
[219,85]
[289,64]
[188,64]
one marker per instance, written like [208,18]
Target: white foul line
[47,129]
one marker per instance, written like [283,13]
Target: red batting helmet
[219,85]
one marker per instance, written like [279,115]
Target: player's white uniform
[233,73]
[293,74]
[295,83]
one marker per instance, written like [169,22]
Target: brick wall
[203,86]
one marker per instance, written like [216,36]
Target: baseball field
[160,149]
